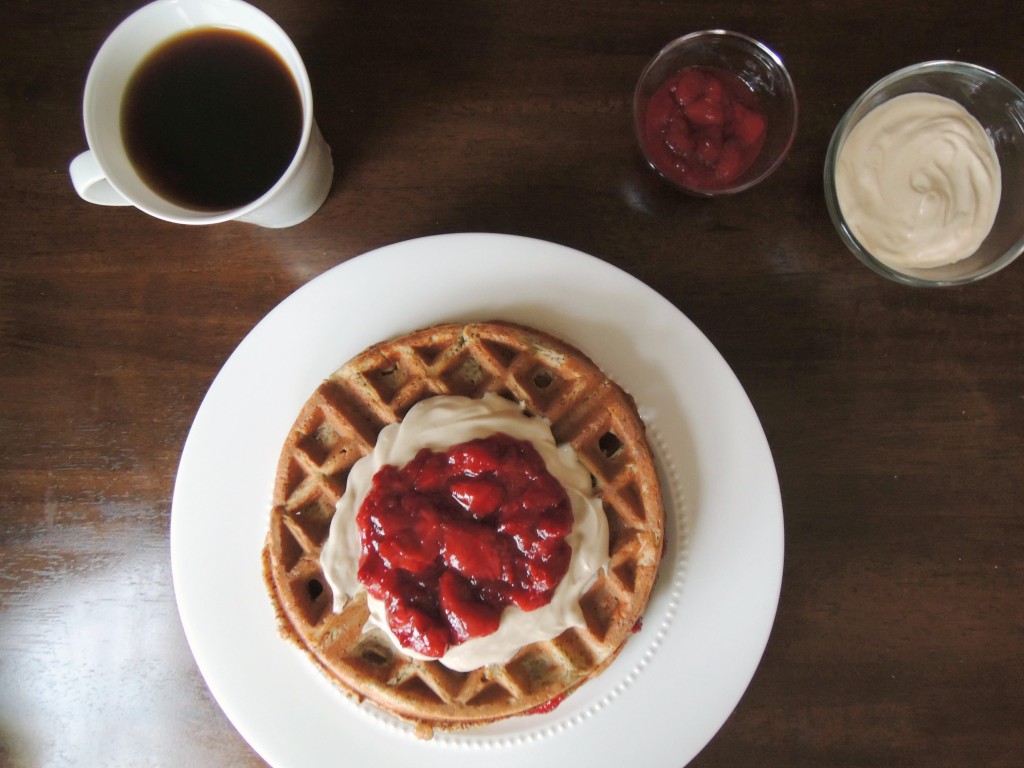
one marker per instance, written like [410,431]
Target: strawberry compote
[452,538]
[703,128]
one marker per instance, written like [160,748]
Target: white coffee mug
[104,174]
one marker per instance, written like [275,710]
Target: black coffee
[212,119]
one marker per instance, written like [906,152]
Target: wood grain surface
[895,415]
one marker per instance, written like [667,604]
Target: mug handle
[91,183]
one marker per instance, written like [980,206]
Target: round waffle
[339,424]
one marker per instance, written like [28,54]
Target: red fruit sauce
[548,706]
[452,538]
[703,128]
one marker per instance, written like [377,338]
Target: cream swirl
[438,423]
[918,182]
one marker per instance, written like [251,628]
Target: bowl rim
[745,40]
[941,66]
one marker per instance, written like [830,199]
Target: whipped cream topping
[437,424]
[919,182]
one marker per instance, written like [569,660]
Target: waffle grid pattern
[339,424]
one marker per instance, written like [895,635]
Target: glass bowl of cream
[924,176]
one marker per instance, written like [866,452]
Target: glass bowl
[999,106]
[758,68]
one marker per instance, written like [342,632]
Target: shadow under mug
[104,174]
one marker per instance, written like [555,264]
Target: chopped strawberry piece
[679,137]
[689,86]
[531,533]
[408,552]
[479,496]
[748,125]
[556,524]
[531,601]
[416,629]
[704,112]
[659,110]
[538,498]
[715,91]
[432,475]
[729,162]
[467,616]
[709,146]
[553,528]
[546,574]
[472,459]
[469,548]
[379,580]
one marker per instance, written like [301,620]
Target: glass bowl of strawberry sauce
[715,112]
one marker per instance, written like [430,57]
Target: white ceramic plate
[713,606]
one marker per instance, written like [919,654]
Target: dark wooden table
[895,415]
